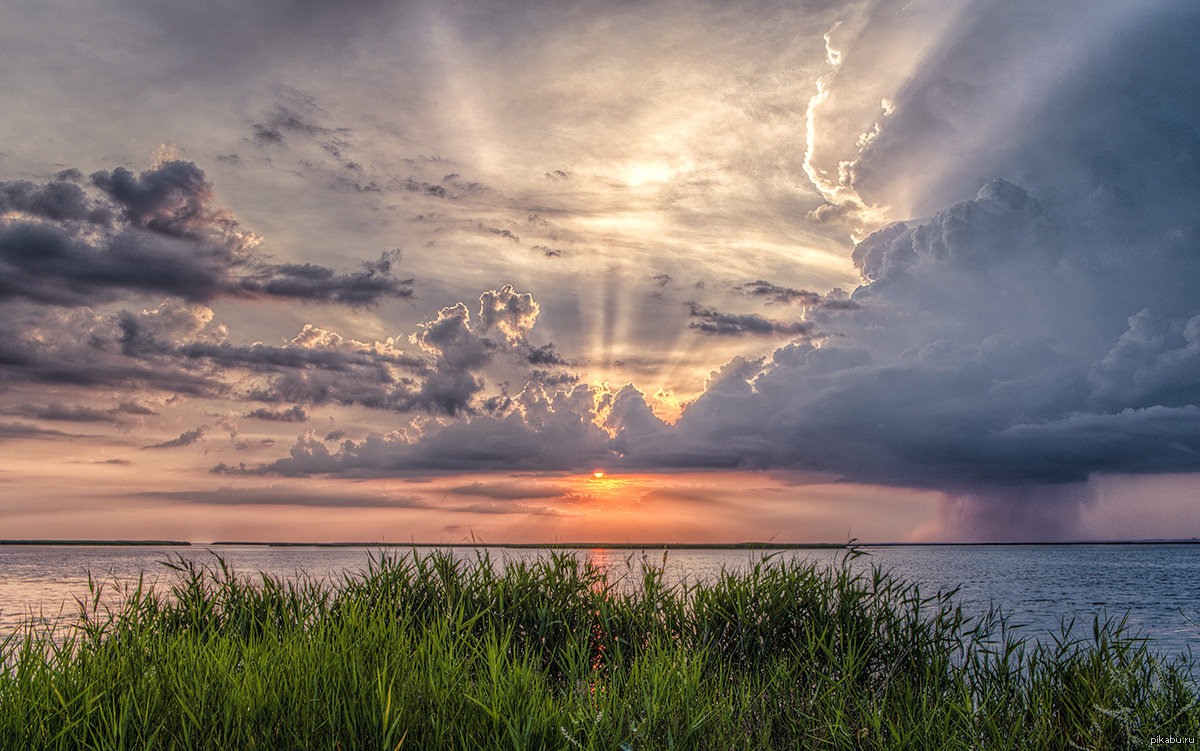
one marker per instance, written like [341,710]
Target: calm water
[1038,585]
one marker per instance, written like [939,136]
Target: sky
[665,271]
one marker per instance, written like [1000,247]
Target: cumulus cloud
[509,312]
[159,233]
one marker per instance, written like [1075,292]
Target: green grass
[424,652]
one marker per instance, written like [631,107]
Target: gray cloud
[715,323]
[286,120]
[835,299]
[508,491]
[59,200]
[20,431]
[76,347]
[286,497]
[186,438]
[62,412]
[295,414]
[158,233]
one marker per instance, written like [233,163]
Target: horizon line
[659,545]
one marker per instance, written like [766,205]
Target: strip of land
[591,545]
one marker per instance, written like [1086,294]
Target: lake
[1157,585]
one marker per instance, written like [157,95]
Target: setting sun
[597,473]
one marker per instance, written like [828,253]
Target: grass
[422,651]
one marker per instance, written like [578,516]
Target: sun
[597,474]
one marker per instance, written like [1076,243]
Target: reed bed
[423,651]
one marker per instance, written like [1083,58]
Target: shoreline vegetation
[422,651]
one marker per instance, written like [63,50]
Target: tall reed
[426,651]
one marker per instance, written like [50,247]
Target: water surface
[1155,585]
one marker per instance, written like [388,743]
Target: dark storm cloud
[295,414]
[1156,362]
[715,323]
[155,233]
[186,438]
[1002,222]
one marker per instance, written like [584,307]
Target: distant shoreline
[581,545]
[101,543]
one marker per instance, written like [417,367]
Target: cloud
[61,412]
[295,414]
[544,431]
[715,323]
[20,431]
[286,120]
[510,313]
[58,411]
[77,347]
[1155,362]
[186,438]
[286,496]
[155,233]
[509,491]
[133,408]
[59,200]
[181,347]
[836,298]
